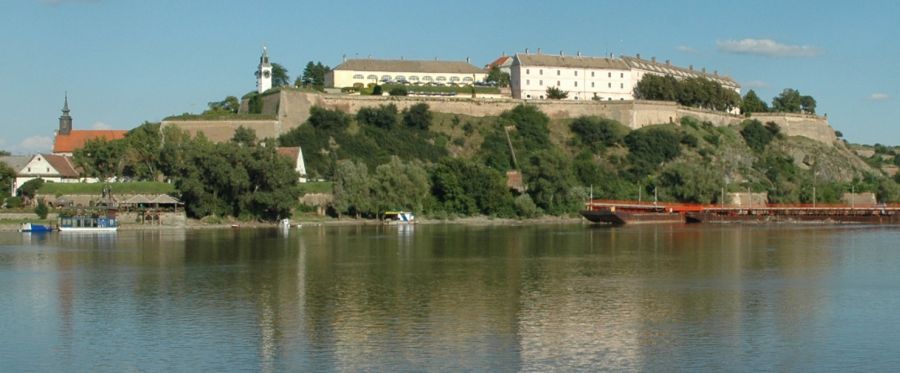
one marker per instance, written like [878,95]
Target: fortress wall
[810,126]
[223,130]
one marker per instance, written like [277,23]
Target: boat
[399,217]
[35,228]
[634,212]
[88,224]
[804,213]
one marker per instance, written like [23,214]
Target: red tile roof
[498,62]
[291,153]
[76,139]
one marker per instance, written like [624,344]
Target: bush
[525,207]
[13,202]
[377,90]
[756,135]
[649,148]
[384,116]
[41,210]
[597,133]
[418,116]
[398,91]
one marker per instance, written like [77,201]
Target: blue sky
[126,62]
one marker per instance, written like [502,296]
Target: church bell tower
[65,121]
[264,73]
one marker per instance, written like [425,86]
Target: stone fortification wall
[223,130]
[810,126]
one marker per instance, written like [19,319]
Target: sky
[125,62]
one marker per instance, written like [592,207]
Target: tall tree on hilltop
[752,104]
[499,77]
[788,101]
[313,75]
[280,76]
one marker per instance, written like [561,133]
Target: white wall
[347,78]
[531,82]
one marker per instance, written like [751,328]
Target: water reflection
[529,298]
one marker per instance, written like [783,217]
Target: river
[454,297]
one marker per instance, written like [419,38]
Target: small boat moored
[35,228]
[399,217]
[88,224]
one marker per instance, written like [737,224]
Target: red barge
[635,212]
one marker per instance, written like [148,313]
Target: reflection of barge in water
[632,212]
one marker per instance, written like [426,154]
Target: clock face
[265,74]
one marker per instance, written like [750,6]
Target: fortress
[288,108]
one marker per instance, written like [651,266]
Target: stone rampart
[806,125]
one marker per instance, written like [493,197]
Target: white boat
[87,224]
[399,217]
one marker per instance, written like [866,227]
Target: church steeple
[65,121]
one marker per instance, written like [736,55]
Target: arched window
[372,77]
[427,78]
[385,78]
[413,78]
[454,78]
[441,79]
[467,79]
[358,76]
[400,78]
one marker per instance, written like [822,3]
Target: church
[69,140]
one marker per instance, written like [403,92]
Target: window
[400,78]
[610,85]
[621,85]
[610,75]
[592,84]
[48,169]
[576,73]
[527,82]
[373,77]
[557,72]
[427,78]
[358,76]
[541,72]
[576,84]
[540,83]
[542,97]
[557,83]
[454,78]
[609,99]
[413,78]
[621,75]
[467,79]
[29,169]
[592,74]
[385,78]
[528,96]
[441,79]
[527,72]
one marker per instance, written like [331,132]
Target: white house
[361,72]
[295,154]
[50,167]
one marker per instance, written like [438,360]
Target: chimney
[344,58]
[638,56]
[526,50]
[467,60]
[704,70]
[401,58]
[561,53]
[691,67]
[539,51]
[504,54]
[668,62]
[653,59]
[716,72]
[578,53]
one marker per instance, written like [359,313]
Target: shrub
[756,135]
[526,208]
[597,133]
[398,91]
[377,90]
[418,116]
[14,202]
[384,116]
[41,210]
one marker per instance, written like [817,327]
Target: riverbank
[192,224]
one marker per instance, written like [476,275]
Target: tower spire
[65,121]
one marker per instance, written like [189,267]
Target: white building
[584,78]
[361,72]
[50,167]
[295,155]
[594,78]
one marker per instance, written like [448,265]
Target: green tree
[752,104]
[29,188]
[230,104]
[691,182]
[649,148]
[142,152]
[597,133]
[7,175]
[417,116]
[244,136]
[314,75]
[254,103]
[398,91]
[655,87]
[352,188]
[554,93]
[500,78]
[756,135]
[400,185]
[101,158]
[384,116]
[550,181]
[808,104]
[468,188]
[280,76]
[788,101]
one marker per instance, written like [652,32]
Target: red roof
[292,153]
[498,62]
[75,139]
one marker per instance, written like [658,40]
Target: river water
[454,297]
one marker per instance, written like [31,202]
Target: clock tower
[264,73]
[65,121]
